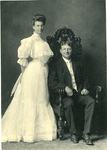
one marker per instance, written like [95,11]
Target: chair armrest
[98,90]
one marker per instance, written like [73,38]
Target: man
[70,75]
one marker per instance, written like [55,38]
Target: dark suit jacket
[59,76]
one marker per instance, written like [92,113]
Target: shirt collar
[66,60]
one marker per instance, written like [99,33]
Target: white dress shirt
[70,68]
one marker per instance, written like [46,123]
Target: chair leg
[60,128]
[61,112]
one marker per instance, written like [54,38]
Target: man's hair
[65,36]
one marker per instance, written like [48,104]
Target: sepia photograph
[53,75]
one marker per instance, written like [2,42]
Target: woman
[30,117]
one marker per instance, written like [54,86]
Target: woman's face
[38,27]
[66,51]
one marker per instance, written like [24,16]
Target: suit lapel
[64,66]
[65,69]
[74,67]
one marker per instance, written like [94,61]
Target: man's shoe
[62,138]
[87,139]
[74,138]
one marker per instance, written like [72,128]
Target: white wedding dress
[29,116]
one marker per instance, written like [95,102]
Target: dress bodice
[35,47]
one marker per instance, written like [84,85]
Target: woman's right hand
[23,68]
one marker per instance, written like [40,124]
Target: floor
[100,143]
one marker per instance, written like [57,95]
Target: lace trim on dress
[40,48]
[34,47]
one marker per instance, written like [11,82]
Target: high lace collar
[36,35]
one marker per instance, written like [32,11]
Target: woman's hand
[23,68]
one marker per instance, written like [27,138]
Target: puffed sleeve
[24,51]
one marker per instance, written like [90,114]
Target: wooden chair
[54,42]
[61,120]
[97,112]
[62,123]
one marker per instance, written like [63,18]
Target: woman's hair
[38,17]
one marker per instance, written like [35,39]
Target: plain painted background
[85,17]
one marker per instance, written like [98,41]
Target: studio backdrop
[86,18]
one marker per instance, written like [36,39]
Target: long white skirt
[29,116]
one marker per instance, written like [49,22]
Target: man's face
[66,51]
[38,27]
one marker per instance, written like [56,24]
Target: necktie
[69,63]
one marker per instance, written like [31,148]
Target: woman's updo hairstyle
[38,17]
